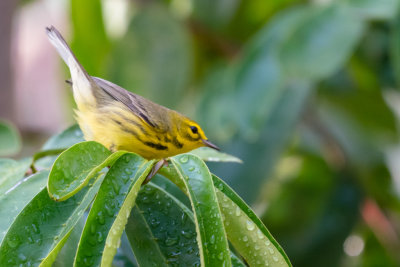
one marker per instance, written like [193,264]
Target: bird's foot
[154,170]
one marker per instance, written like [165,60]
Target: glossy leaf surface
[76,166]
[209,154]
[111,209]
[162,229]
[15,199]
[211,235]
[246,231]
[40,230]
[11,172]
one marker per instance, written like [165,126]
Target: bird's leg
[155,169]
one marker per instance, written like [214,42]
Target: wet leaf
[65,139]
[110,210]
[209,154]
[162,228]
[211,235]
[16,198]
[11,172]
[43,226]
[74,168]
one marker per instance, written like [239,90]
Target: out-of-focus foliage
[157,41]
[10,142]
[298,90]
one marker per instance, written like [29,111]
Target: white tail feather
[81,81]
[59,43]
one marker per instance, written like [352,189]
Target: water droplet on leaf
[184,159]
[237,211]
[13,242]
[250,225]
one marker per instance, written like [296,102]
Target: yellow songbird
[121,120]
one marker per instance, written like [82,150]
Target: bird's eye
[194,129]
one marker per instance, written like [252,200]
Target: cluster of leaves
[165,228]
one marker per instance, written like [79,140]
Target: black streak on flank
[117,121]
[129,131]
[125,129]
[132,122]
[176,142]
[156,146]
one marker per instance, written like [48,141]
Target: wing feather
[134,102]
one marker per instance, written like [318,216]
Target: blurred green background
[304,92]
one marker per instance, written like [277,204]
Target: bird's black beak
[209,144]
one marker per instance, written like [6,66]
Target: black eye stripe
[194,129]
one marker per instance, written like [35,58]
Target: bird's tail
[84,86]
[61,45]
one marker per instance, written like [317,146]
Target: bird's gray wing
[131,100]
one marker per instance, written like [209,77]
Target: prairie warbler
[121,120]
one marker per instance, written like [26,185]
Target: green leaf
[167,185]
[209,154]
[15,199]
[74,168]
[162,228]
[395,48]
[214,250]
[214,14]
[65,139]
[156,41]
[124,256]
[263,153]
[246,231]
[144,244]
[372,9]
[122,259]
[11,172]
[236,262]
[90,43]
[43,226]
[257,80]
[58,143]
[365,109]
[321,43]
[111,209]
[65,256]
[360,143]
[10,141]
[45,158]
[232,207]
